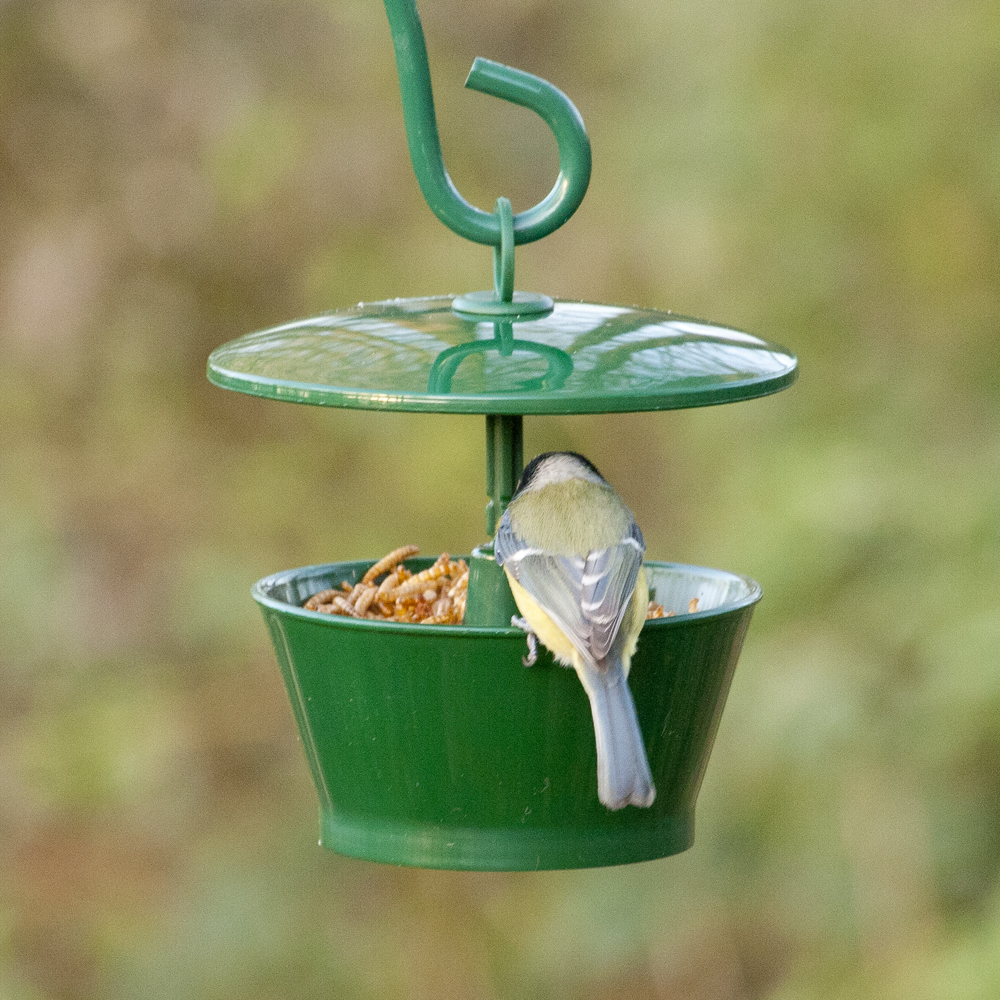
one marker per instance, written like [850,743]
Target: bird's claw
[532,657]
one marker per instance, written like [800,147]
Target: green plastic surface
[489,599]
[433,746]
[419,355]
[504,464]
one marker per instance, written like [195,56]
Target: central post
[504,463]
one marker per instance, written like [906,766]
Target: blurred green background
[176,173]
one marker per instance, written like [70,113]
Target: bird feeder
[432,745]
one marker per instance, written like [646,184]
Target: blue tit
[573,553]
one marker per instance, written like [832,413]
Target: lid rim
[525,404]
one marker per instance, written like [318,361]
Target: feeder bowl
[433,746]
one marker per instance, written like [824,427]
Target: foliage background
[175,173]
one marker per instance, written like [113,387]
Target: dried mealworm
[387,562]
[456,569]
[345,607]
[415,584]
[323,597]
[460,584]
[692,605]
[365,598]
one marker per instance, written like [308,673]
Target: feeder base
[427,845]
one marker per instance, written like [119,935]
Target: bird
[572,553]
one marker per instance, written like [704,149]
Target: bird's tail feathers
[623,775]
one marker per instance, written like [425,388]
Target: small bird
[573,553]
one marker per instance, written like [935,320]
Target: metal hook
[513,85]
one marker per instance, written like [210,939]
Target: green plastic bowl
[433,746]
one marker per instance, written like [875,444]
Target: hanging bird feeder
[432,745]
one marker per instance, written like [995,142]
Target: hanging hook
[513,85]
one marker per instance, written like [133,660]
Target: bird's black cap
[531,469]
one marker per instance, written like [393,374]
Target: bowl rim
[260,594]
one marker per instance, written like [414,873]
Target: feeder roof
[420,355]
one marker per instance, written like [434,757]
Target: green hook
[513,85]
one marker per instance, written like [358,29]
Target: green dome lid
[421,355]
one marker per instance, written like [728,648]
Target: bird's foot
[532,657]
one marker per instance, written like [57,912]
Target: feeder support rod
[504,464]
[509,84]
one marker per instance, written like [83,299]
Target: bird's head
[557,467]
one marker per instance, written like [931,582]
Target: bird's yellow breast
[551,636]
[555,640]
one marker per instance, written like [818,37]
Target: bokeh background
[174,173]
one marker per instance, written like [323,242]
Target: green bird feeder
[432,745]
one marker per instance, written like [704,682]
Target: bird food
[435,596]
[655,610]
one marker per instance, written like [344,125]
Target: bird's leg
[532,657]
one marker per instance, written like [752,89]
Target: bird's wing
[585,596]
[608,582]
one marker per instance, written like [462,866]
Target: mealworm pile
[435,596]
